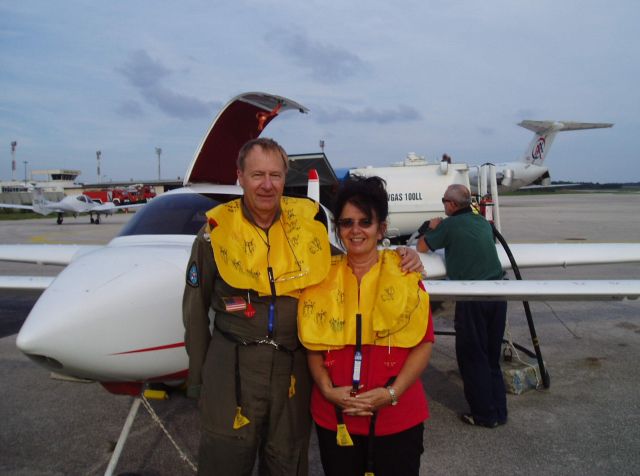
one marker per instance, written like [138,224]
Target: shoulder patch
[193,279]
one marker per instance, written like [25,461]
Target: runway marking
[41,239]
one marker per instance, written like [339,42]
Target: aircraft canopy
[240,120]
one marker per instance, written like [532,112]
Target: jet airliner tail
[545,133]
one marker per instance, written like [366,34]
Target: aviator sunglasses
[350,222]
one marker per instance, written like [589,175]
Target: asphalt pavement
[586,423]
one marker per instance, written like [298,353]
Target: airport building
[56,183]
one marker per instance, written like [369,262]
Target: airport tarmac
[586,423]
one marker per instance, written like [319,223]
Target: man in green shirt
[470,254]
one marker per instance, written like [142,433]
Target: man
[248,265]
[470,254]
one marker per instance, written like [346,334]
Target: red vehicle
[141,193]
[123,196]
[115,195]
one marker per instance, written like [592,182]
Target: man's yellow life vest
[296,247]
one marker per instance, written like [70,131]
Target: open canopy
[240,120]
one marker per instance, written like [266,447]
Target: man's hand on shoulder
[410,260]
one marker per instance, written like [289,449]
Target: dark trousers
[479,332]
[393,455]
[220,455]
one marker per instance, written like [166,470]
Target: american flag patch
[234,303]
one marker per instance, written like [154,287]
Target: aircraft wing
[13,205]
[110,207]
[52,207]
[549,187]
[537,255]
[552,290]
[542,255]
[542,126]
[44,254]
[26,282]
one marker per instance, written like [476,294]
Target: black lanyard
[272,304]
[357,357]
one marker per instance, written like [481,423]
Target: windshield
[173,214]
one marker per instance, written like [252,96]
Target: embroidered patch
[193,279]
[234,303]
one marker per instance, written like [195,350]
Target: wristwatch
[394,397]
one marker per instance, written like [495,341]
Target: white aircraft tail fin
[313,185]
[545,133]
[40,202]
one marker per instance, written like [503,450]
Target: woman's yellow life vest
[296,246]
[394,309]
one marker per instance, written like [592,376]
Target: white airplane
[122,326]
[530,171]
[69,205]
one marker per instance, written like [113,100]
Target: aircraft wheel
[97,221]
[59,221]
[92,220]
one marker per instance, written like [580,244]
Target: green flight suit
[279,425]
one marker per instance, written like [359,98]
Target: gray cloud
[130,109]
[381,116]
[526,113]
[179,105]
[486,131]
[326,63]
[142,71]
[146,75]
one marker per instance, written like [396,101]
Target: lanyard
[272,304]
[357,357]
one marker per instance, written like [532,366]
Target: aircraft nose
[102,314]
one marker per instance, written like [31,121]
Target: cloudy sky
[381,79]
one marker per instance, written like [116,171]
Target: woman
[369,336]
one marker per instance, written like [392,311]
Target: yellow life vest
[296,247]
[395,311]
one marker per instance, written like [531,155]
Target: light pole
[25,171]
[98,155]
[158,152]
[322,145]
[14,144]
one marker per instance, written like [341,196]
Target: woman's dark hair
[368,194]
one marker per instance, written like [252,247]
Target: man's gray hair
[266,144]
[459,194]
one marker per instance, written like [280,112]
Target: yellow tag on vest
[240,420]
[292,386]
[343,438]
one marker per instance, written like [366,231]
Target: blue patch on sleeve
[193,279]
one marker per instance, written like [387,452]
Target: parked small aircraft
[122,326]
[69,205]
